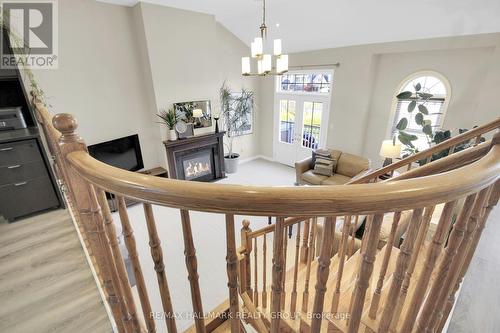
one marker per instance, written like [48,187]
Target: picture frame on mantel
[198,113]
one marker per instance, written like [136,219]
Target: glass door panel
[287,121]
[311,129]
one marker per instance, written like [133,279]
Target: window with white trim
[436,105]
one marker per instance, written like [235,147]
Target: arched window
[428,83]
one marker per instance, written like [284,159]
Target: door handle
[7,149]
[14,166]
[20,184]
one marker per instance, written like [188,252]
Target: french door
[300,125]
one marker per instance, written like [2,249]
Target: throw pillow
[323,165]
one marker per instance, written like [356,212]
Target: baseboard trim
[249,159]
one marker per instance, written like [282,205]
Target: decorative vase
[171,135]
[231,163]
[216,124]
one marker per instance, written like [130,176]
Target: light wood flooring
[46,284]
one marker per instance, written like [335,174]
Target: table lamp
[389,150]
[197,114]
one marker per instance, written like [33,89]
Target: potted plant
[169,118]
[235,111]
[419,99]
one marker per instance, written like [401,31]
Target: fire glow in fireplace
[197,167]
[198,158]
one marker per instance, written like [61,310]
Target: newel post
[246,243]
[89,214]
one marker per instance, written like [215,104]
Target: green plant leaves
[402,124]
[418,86]
[406,138]
[422,108]
[424,95]
[427,129]
[404,95]
[419,119]
[412,106]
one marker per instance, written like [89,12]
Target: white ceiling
[318,24]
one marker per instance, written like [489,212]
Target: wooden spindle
[159,266]
[192,268]
[481,218]
[323,272]
[130,243]
[422,233]
[408,168]
[402,264]
[450,251]
[246,243]
[383,269]
[312,244]
[353,236]
[293,300]
[86,210]
[285,250]
[256,274]
[277,285]
[430,261]
[110,263]
[304,249]
[452,150]
[459,259]
[264,276]
[428,159]
[364,273]
[118,259]
[477,140]
[232,275]
[341,254]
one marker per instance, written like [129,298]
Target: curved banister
[466,173]
[450,143]
[283,201]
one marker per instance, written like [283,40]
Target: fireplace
[198,158]
[197,167]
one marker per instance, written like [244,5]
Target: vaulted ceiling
[318,24]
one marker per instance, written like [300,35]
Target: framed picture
[245,125]
[199,113]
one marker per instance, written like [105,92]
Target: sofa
[348,167]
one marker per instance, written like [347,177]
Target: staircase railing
[425,156]
[411,294]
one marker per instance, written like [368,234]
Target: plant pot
[171,135]
[231,163]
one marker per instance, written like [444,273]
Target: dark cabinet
[26,186]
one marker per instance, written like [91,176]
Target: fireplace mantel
[184,148]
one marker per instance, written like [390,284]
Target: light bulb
[245,65]
[266,63]
[277,47]
[258,46]
[253,50]
[260,68]
[282,64]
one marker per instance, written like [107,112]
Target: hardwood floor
[46,284]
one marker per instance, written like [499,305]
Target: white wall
[118,65]
[190,56]
[368,76]
[98,79]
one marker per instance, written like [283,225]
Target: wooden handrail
[447,163]
[452,142]
[445,181]
[282,201]
[270,228]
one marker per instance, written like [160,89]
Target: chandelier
[264,61]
